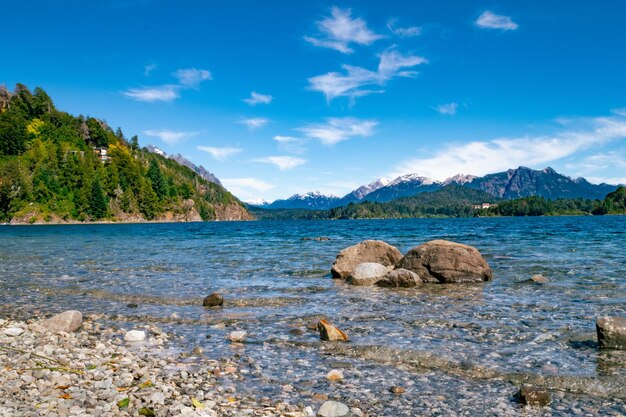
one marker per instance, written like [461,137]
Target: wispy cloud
[283,163]
[353,81]
[254,122]
[448,109]
[169,136]
[340,30]
[483,157]
[290,144]
[405,32]
[490,20]
[219,153]
[257,98]
[336,130]
[147,70]
[191,77]
[187,78]
[167,92]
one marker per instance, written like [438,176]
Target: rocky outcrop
[68,321]
[399,278]
[367,273]
[231,211]
[446,262]
[366,251]
[186,212]
[611,332]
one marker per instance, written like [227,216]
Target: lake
[456,349]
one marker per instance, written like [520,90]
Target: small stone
[330,332]
[539,279]
[400,278]
[132,305]
[320,397]
[333,409]
[135,336]
[197,351]
[611,332]
[334,375]
[68,322]
[213,300]
[397,390]
[237,336]
[533,396]
[13,331]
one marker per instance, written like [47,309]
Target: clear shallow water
[488,337]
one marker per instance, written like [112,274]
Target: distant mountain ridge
[200,170]
[510,184]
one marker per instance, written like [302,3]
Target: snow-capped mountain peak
[257,202]
[413,178]
[459,179]
[364,190]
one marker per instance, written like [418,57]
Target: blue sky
[281,97]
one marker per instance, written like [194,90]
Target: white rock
[334,375]
[157,398]
[333,409]
[135,336]
[13,331]
[237,336]
[367,273]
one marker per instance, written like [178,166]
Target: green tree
[98,201]
[155,175]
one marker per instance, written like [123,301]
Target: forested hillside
[55,167]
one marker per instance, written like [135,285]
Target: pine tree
[98,201]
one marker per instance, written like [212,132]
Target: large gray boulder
[399,278]
[611,332]
[68,322]
[367,273]
[446,262]
[366,251]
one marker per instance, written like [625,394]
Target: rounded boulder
[400,278]
[367,273]
[367,251]
[446,262]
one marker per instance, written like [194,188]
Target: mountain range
[510,184]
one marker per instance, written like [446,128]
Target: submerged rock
[333,409]
[213,300]
[366,251]
[135,336]
[334,375]
[538,279]
[68,322]
[237,336]
[397,390]
[400,278]
[331,333]
[533,396]
[446,262]
[611,332]
[367,273]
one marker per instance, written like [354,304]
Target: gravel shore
[96,372]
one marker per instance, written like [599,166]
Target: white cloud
[254,122]
[448,109]
[483,157]
[350,84]
[340,30]
[167,92]
[219,153]
[339,129]
[406,32]
[169,136]
[246,188]
[490,20]
[191,77]
[285,139]
[282,162]
[256,98]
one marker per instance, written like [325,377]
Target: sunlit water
[488,337]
